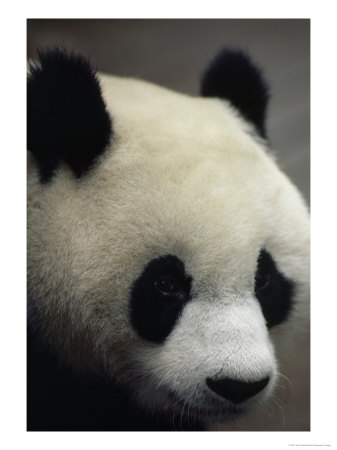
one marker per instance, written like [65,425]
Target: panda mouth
[206,409]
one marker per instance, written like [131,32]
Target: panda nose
[234,390]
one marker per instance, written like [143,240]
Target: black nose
[236,391]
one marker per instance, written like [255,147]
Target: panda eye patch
[262,280]
[273,290]
[158,297]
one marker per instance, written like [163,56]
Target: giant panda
[168,255]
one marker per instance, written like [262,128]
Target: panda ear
[67,120]
[234,77]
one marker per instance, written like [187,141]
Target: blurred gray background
[174,53]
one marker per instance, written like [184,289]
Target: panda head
[165,247]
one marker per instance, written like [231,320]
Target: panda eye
[262,280]
[166,285]
[273,290]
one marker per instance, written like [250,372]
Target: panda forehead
[164,135]
[156,115]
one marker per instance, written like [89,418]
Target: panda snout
[236,391]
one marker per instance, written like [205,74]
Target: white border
[324,224]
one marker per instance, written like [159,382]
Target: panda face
[169,263]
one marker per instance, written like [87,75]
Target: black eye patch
[273,290]
[158,297]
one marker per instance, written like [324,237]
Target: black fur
[273,290]
[66,116]
[235,390]
[234,77]
[60,400]
[154,313]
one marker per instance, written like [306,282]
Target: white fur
[182,176]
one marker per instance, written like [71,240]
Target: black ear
[67,120]
[234,77]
